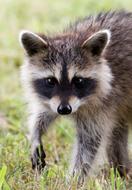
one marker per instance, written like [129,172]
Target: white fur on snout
[54,103]
[75,103]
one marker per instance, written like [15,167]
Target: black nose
[64,109]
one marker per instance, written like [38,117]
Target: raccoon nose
[64,109]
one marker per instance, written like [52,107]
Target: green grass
[15,167]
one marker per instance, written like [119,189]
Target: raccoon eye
[79,82]
[51,82]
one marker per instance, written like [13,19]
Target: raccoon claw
[38,159]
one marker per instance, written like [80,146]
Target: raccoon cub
[86,73]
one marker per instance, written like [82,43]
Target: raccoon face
[65,72]
[64,96]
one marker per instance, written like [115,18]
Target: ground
[15,167]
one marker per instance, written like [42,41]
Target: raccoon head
[68,71]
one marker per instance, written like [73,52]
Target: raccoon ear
[97,42]
[32,42]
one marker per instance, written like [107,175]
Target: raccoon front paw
[129,175]
[77,175]
[38,159]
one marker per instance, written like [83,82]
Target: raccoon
[84,72]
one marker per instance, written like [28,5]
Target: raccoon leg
[38,125]
[88,142]
[117,149]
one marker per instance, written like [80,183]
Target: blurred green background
[39,16]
